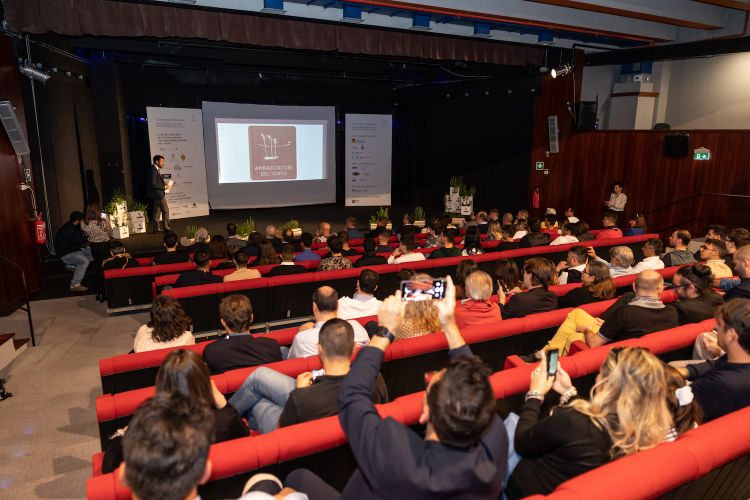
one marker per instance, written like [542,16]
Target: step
[10,348]
[19,343]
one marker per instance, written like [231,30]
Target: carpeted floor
[48,428]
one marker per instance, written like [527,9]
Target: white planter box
[467,205]
[374,225]
[419,223]
[297,232]
[136,222]
[458,221]
[120,232]
[453,192]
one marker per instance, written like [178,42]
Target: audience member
[434,232]
[742,265]
[407,222]
[287,238]
[336,260]
[381,225]
[482,222]
[494,214]
[325,302]
[273,237]
[583,232]
[521,229]
[420,317]
[287,265]
[493,231]
[200,243]
[169,326]
[219,250]
[626,412]
[637,225]
[716,232]
[98,234]
[697,300]
[507,277]
[237,348]
[549,221]
[352,230]
[722,386]
[610,230]
[383,238]
[678,240]
[72,248]
[570,215]
[712,254]
[447,249]
[463,270]
[119,257]
[507,219]
[522,214]
[472,243]
[269,399]
[253,244]
[405,253]
[507,242]
[267,255]
[620,260]
[323,232]
[234,243]
[652,248]
[734,239]
[477,308]
[597,286]
[171,255]
[242,273]
[617,200]
[363,303]
[571,269]
[346,250]
[538,275]
[566,235]
[201,275]
[306,241]
[685,410]
[369,258]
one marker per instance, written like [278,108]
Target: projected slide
[270,151]
[269,156]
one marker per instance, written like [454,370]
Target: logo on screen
[273,152]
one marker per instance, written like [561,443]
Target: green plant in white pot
[419,218]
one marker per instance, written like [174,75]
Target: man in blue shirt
[306,254]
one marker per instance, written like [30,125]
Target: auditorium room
[424,249]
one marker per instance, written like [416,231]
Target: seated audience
[609,223]
[538,275]
[73,249]
[493,231]
[287,238]
[405,253]
[477,308]
[716,232]
[270,400]
[369,258]
[482,222]
[463,437]
[685,410]
[472,243]
[652,248]
[434,232]
[507,277]
[273,238]
[171,255]
[678,240]
[363,303]
[507,219]
[287,265]
[742,265]
[383,239]
[735,239]
[420,317]
[201,242]
[336,260]
[201,275]
[352,230]
[266,255]
[571,269]
[306,241]
[242,273]
[407,223]
[323,232]
[120,258]
[447,249]
[494,214]
[549,222]
[566,235]
[346,250]
[218,249]
[522,214]
[626,413]
[381,225]
[697,300]
[637,225]
[521,229]
[583,232]
[253,244]
[234,243]
[463,270]
[237,348]
[325,303]
[632,316]
[620,260]
[570,215]
[712,254]
[597,286]
[169,326]
[507,242]
[722,386]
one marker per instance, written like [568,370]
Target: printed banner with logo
[368,159]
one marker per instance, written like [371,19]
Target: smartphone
[419,290]
[552,357]
[318,373]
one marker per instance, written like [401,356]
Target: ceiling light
[561,71]
[28,70]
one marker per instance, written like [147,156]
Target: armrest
[578,346]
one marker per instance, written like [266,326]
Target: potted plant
[294,225]
[120,231]
[467,199]
[189,236]
[380,213]
[244,229]
[419,219]
[136,217]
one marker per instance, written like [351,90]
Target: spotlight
[28,70]
[561,71]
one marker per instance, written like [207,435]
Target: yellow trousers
[567,334]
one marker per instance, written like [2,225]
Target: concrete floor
[48,428]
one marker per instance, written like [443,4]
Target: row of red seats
[241,457]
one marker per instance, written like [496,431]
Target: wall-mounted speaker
[677,144]
[554,144]
[13,129]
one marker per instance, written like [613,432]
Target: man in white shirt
[325,307]
[405,253]
[651,251]
[570,270]
[363,303]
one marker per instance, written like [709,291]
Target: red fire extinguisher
[535,198]
[40,230]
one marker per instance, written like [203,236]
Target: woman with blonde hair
[627,412]
[494,232]
[420,317]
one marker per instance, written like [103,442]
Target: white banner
[368,159]
[177,135]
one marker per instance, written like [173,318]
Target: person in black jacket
[171,255]
[156,193]
[120,258]
[697,300]
[597,286]
[269,399]
[72,248]
[201,275]
[369,258]
[534,238]
[287,265]
[237,348]
[538,274]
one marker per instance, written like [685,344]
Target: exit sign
[702,154]
[540,165]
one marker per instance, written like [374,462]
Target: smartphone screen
[552,356]
[420,290]
[104,215]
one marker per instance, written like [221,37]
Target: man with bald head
[325,303]
[741,260]
[272,237]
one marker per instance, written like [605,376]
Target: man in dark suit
[287,265]
[201,275]
[237,348]
[156,193]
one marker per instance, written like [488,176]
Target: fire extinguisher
[40,230]
[535,198]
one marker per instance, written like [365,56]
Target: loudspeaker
[586,115]
[13,129]
[677,144]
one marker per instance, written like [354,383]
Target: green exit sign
[701,154]
[540,165]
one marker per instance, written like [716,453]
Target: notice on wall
[177,135]
[368,159]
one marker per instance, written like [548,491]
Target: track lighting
[561,71]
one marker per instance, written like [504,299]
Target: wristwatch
[385,332]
